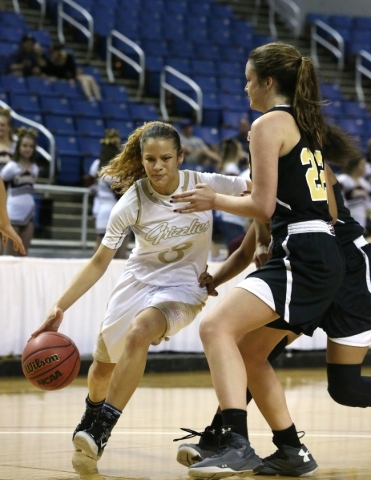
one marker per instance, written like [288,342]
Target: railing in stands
[337,50]
[16,6]
[49,156]
[166,87]
[88,32]
[60,190]
[289,13]
[138,66]
[362,70]
[42,12]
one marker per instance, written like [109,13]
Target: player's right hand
[52,322]
[207,280]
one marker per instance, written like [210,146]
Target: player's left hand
[207,280]
[261,256]
[8,232]
[201,199]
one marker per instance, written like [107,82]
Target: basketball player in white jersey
[158,292]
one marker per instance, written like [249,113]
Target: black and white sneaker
[93,440]
[190,453]
[235,456]
[86,421]
[288,462]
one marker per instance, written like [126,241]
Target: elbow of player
[264,213]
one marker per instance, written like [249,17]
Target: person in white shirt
[158,292]
[356,190]
[105,198]
[20,175]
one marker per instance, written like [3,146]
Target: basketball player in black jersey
[293,290]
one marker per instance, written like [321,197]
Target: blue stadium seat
[237,101]
[181,64]
[231,85]
[23,103]
[228,133]
[69,170]
[354,109]
[83,108]
[330,91]
[143,112]
[42,37]
[362,23]
[334,109]
[340,21]
[55,105]
[231,118]
[211,109]
[67,145]
[90,147]
[207,84]
[203,67]
[205,51]
[90,127]
[12,19]
[178,7]
[60,124]
[38,85]
[229,69]
[116,93]
[125,128]
[209,135]
[352,126]
[11,35]
[13,84]
[64,88]
[118,111]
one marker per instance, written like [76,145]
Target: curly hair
[126,167]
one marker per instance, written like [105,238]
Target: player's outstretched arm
[6,229]
[81,283]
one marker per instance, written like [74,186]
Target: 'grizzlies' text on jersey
[165,242]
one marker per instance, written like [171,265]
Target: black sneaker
[235,456]
[288,462]
[86,421]
[190,453]
[93,440]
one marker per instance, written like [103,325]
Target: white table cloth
[29,286]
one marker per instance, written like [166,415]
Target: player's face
[253,89]
[4,128]
[160,160]
[26,148]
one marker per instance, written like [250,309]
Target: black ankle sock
[236,418]
[111,411]
[288,437]
[217,423]
[93,406]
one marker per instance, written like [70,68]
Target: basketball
[50,361]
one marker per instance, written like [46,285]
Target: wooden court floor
[36,427]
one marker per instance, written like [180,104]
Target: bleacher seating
[201,39]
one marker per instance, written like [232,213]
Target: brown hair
[126,168]
[5,113]
[25,133]
[298,81]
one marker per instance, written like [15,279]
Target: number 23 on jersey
[315,175]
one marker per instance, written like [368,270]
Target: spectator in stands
[20,175]
[194,147]
[356,190]
[233,227]
[243,130]
[61,65]
[24,61]
[105,198]
[7,143]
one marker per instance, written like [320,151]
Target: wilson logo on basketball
[51,378]
[37,363]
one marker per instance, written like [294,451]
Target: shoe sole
[273,473]
[86,445]
[210,473]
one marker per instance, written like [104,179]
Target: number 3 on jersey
[315,175]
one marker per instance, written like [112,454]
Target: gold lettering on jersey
[315,174]
[163,232]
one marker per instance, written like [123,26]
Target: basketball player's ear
[269,83]
[180,159]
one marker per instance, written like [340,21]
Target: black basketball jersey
[346,228]
[301,189]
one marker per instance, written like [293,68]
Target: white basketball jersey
[170,248]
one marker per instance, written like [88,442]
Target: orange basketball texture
[50,361]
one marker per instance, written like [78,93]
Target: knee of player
[138,335]
[209,331]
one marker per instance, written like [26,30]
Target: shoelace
[192,434]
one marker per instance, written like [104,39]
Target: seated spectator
[61,65]
[356,190]
[24,61]
[194,147]
[243,131]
